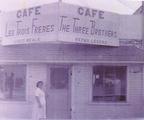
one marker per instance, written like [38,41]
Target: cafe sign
[60,22]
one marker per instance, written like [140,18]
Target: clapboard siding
[62,52]
[35,72]
[21,110]
[131,27]
[15,110]
[83,107]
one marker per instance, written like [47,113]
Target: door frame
[69,67]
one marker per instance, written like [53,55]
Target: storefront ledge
[13,119]
[15,102]
[109,103]
[81,119]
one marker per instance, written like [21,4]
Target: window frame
[24,100]
[110,102]
[53,86]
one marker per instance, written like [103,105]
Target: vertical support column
[73,91]
[143,84]
[142,92]
[81,86]
[142,87]
[142,24]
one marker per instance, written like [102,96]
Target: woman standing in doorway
[40,102]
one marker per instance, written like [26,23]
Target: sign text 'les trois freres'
[46,23]
[32,28]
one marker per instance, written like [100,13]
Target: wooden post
[143,25]
[60,1]
[142,2]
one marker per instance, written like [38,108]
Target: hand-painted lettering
[28,12]
[90,12]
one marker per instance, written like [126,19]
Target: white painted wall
[85,109]
[18,109]
[81,91]
[13,109]
[131,27]
[35,72]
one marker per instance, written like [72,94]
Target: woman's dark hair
[38,83]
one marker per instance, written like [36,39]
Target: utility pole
[142,24]
[60,1]
[142,8]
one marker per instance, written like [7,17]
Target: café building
[91,61]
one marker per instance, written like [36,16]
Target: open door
[58,90]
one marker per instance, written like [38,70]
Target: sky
[117,6]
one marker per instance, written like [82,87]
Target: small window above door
[59,78]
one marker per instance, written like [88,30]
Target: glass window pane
[12,79]
[59,78]
[109,83]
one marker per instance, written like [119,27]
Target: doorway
[58,91]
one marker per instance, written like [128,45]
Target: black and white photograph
[71,60]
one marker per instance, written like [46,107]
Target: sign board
[90,26]
[60,22]
[33,25]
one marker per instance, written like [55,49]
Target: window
[12,82]
[109,83]
[59,78]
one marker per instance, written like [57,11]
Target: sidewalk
[79,119]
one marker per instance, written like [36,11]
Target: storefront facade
[83,80]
